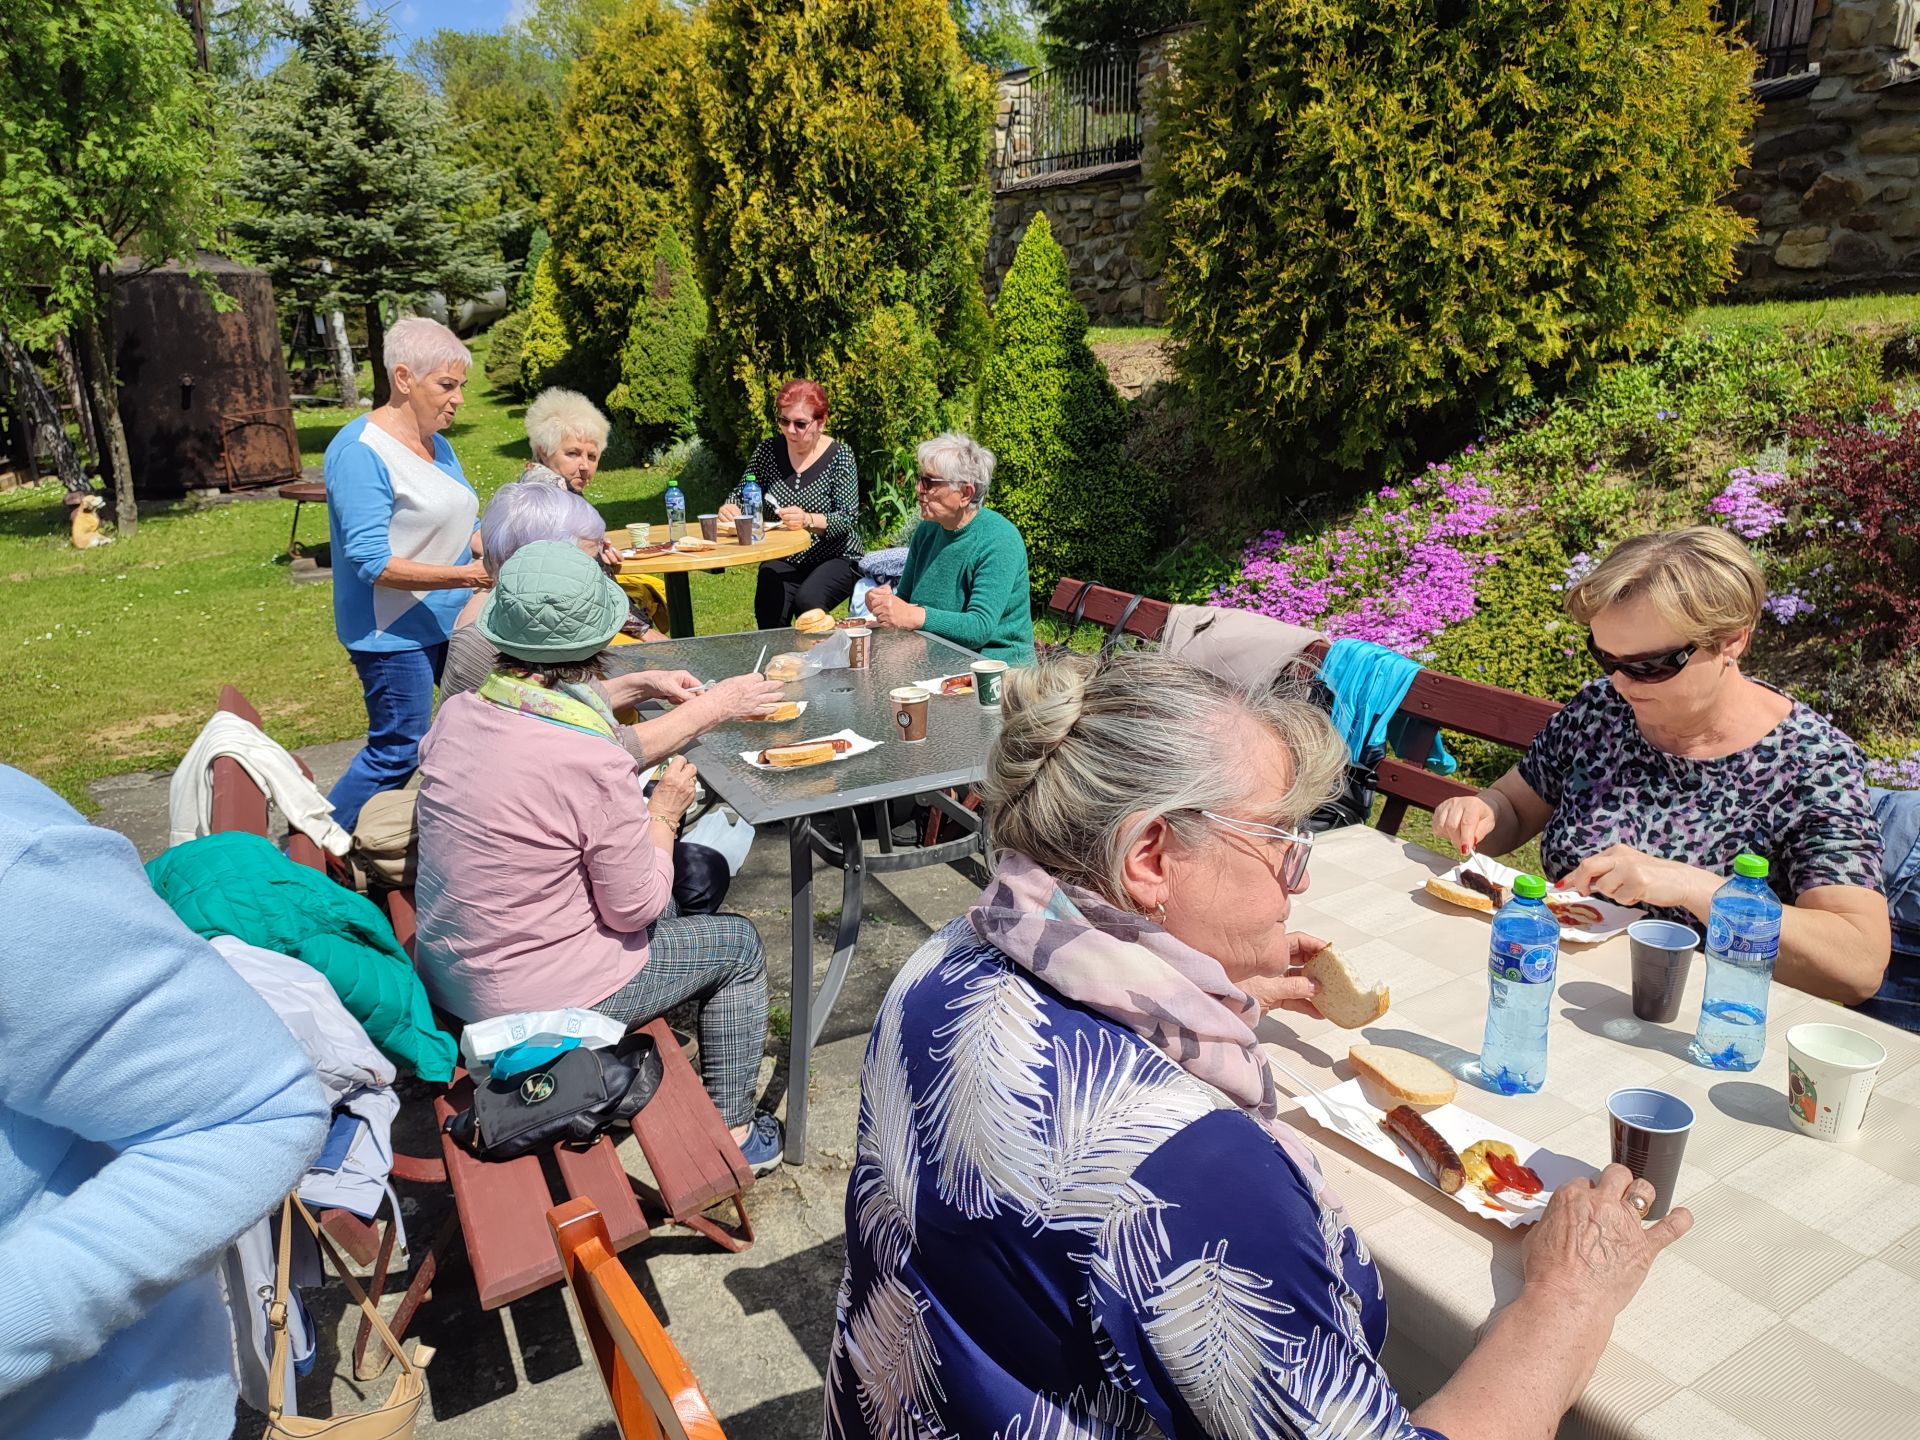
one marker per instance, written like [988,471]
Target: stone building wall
[1833,183]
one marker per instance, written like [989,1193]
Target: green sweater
[972,582]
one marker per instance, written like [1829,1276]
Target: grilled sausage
[1405,1123]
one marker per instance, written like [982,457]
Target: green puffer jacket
[241,885]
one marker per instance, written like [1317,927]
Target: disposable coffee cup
[1830,1075]
[1649,1137]
[710,528]
[859,647]
[1662,956]
[910,713]
[988,678]
[743,529]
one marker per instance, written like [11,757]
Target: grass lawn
[1121,334]
[115,655]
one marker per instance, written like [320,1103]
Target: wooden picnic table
[674,568]
[1793,1307]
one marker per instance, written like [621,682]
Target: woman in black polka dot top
[810,478]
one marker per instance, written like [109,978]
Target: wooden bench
[1435,702]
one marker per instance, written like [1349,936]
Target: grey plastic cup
[1662,956]
[1649,1137]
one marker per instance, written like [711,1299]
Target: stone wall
[1833,183]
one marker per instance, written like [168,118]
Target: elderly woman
[546,875]
[401,518]
[1652,779]
[526,511]
[1072,1202]
[810,479]
[966,575]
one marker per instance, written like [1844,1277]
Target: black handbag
[566,1103]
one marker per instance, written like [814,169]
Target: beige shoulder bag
[393,1420]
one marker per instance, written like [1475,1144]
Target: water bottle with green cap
[1521,964]
[1743,942]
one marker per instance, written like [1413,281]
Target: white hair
[959,460]
[1090,752]
[557,415]
[424,346]
[528,510]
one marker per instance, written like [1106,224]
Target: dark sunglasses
[1647,669]
[794,422]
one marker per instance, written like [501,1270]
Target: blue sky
[411,19]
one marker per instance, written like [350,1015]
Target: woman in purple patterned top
[1650,781]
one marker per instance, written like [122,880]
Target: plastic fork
[1356,1124]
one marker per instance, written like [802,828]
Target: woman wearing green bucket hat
[546,875]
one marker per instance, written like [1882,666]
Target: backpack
[569,1101]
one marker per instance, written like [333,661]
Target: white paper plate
[932,687]
[1606,918]
[1459,1128]
[860,745]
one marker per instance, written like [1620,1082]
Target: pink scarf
[1126,968]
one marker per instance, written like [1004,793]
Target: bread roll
[1344,997]
[1408,1078]
[813,622]
[785,667]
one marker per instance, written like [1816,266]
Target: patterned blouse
[1798,797]
[1055,1233]
[830,487]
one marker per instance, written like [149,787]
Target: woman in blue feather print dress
[1073,1213]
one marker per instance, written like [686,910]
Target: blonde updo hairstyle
[1092,752]
[1702,580]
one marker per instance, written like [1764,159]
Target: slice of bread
[1457,894]
[1344,997]
[1409,1078]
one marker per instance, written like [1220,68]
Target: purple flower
[1743,507]
[1788,606]
[1896,774]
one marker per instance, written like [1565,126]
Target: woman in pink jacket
[546,876]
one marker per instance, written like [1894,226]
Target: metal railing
[1068,119]
[1779,29]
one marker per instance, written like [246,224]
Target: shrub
[1860,502]
[537,247]
[504,339]
[546,345]
[1058,430]
[1399,212]
[656,397]
[837,170]
[619,175]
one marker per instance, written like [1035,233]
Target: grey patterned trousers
[717,960]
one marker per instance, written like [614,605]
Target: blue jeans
[399,691]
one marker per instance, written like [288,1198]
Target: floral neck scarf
[571,707]
[1126,968]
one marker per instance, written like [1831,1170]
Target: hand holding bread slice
[1343,997]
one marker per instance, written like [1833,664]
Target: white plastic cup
[1830,1075]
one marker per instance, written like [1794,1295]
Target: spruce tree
[656,397]
[351,196]
[838,195]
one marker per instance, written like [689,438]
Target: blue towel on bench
[1368,682]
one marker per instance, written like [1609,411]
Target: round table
[675,566]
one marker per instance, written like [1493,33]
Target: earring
[1160,914]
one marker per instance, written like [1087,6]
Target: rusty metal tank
[203,395]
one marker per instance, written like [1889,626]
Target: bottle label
[1523,964]
[1755,943]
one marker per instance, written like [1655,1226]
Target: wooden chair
[1435,702]
[652,1390]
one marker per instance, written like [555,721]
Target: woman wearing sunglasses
[1074,1209]
[809,479]
[1652,779]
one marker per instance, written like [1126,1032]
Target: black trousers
[788,587]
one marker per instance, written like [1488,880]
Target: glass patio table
[954,753]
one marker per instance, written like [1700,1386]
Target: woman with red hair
[809,477]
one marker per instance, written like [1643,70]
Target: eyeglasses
[927,482]
[1293,869]
[794,422]
[1647,669]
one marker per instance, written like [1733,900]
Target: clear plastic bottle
[1521,963]
[676,511]
[1743,942]
[750,504]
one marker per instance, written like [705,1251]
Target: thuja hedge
[656,398]
[1387,213]
[838,197]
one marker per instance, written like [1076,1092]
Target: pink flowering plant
[1402,570]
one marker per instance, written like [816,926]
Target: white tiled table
[1792,1310]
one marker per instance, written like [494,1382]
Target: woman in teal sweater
[966,575]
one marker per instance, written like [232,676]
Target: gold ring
[1639,1203]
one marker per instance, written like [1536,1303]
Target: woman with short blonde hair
[1071,1179]
[1654,777]
[567,434]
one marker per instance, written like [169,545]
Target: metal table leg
[679,604]
[810,1011]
